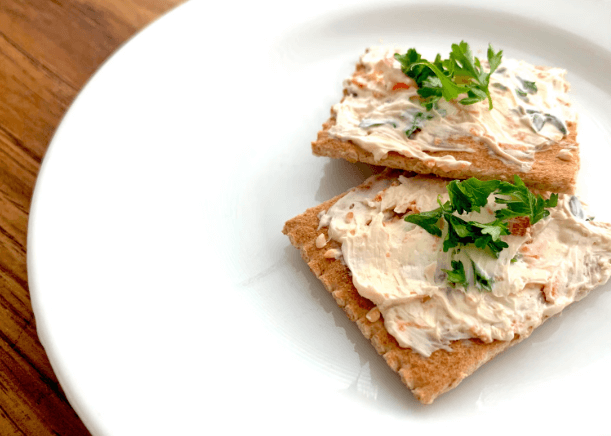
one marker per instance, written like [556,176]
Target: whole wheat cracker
[548,172]
[427,378]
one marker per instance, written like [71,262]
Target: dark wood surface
[48,50]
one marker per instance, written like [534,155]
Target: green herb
[461,73]
[521,202]
[456,276]
[539,119]
[530,87]
[470,196]
[366,123]
[500,86]
[521,93]
[483,236]
[417,122]
[481,281]
[429,221]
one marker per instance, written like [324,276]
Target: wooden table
[48,50]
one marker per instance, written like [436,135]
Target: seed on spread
[565,154]
[544,269]
[321,241]
[373,315]
[333,253]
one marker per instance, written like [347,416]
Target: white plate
[166,296]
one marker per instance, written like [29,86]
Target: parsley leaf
[521,93]
[529,87]
[500,86]
[539,120]
[457,276]
[409,66]
[483,282]
[494,59]
[469,196]
[521,202]
[419,118]
[429,221]
[367,123]
[461,232]
[461,73]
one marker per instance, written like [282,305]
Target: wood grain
[48,50]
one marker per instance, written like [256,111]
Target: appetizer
[443,275]
[457,117]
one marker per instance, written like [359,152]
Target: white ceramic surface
[165,295]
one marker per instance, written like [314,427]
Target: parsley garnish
[419,118]
[521,202]
[457,276]
[429,221]
[481,281]
[469,196]
[461,73]
[366,123]
[529,87]
[500,86]
[461,232]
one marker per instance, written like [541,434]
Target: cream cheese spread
[399,266]
[382,104]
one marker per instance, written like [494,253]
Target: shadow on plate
[376,383]
[340,175]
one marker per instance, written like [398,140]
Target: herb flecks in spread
[382,111]
[399,266]
[461,73]
[469,196]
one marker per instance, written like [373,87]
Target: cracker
[427,378]
[548,173]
